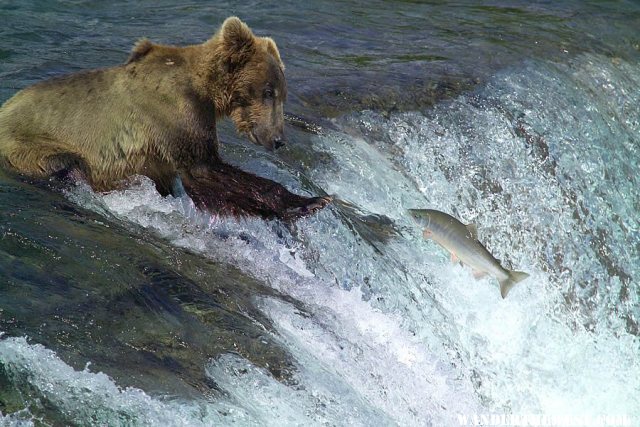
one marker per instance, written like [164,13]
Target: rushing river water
[128,308]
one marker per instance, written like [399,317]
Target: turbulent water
[128,308]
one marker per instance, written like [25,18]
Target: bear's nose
[278,142]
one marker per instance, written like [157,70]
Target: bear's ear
[273,50]
[140,50]
[238,41]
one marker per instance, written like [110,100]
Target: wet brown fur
[156,116]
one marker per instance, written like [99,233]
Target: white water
[405,337]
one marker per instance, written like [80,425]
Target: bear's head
[256,87]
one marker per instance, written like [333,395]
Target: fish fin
[479,274]
[473,229]
[507,284]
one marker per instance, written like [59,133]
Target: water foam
[540,160]
[349,353]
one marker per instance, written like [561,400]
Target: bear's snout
[278,142]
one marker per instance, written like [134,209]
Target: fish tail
[513,278]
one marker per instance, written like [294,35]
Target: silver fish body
[462,242]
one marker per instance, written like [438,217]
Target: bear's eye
[268,93]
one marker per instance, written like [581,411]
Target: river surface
[128,308]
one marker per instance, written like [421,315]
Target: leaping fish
[462,242]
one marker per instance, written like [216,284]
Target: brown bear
[156,115]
